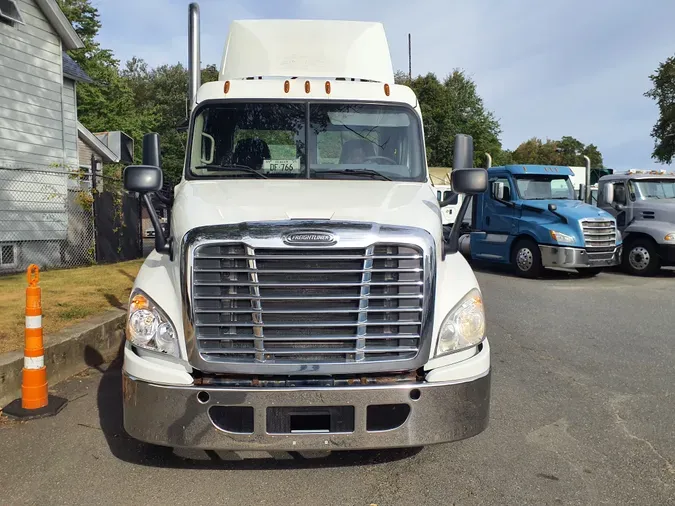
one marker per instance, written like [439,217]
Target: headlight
[464,326]
[560,237]
[148,327]
[670,237]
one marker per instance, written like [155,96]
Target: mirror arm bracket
[162,243]
[447,202]
[452,244]
[164,199]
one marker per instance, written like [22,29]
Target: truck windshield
[541,187]
[306,140]
[655,188]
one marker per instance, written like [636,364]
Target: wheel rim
[639,258]
[524,259]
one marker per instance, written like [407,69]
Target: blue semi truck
[531,217]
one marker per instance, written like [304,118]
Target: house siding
[70,123]
[84,153]
[38,130]
[32,94]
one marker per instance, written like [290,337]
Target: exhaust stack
[194,60]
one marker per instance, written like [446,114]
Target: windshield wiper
[233,167]
[373,174]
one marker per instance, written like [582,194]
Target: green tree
[107,103]
[566,151]
[450,107]
[162,95]
[663,93]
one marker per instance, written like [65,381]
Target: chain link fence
[48,217]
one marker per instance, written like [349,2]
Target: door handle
[487,220]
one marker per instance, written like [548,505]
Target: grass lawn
[68,295]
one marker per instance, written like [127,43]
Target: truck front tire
[641,258]
[526,259]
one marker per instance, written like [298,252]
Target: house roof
[96,145]
[51,10]
[73,71]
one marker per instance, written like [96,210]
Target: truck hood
[203,203]
[662,210]
[571,209]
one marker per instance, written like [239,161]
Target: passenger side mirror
[498,190]
[609,193]
[582,192]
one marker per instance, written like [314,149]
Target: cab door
[499,223]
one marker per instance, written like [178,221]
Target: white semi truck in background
[305,297]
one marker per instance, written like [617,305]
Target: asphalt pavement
[583,412]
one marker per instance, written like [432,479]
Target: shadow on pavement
[508,270]
[560,274]
[124,447]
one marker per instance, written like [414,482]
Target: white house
[39,134]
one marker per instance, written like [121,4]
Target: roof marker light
[226,87]
[307,87]
[387,90]
[328,87]
[287,86]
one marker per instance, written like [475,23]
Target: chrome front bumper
[575,258]
[178,416]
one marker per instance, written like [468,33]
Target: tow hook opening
[235,419]
[310,422]
[386,416]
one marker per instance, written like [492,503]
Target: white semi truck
[305,297]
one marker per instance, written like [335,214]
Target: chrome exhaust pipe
[194,63]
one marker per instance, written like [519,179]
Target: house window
[8,255]
[10,13]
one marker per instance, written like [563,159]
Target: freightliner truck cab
[530,217]
[305,297]
[643,203]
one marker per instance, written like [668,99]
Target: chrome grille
[279,306]
[599,238]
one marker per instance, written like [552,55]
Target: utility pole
[409,58]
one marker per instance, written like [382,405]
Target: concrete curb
[89,343]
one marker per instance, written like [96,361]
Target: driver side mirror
[464,179]
[143,178]
[147,179]
[498,190]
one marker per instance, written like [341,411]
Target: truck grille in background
[600,238]
[296,306]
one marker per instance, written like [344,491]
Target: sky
[545,69]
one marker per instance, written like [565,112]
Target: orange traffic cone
[35,401]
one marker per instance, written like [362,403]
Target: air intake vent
[647,215]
